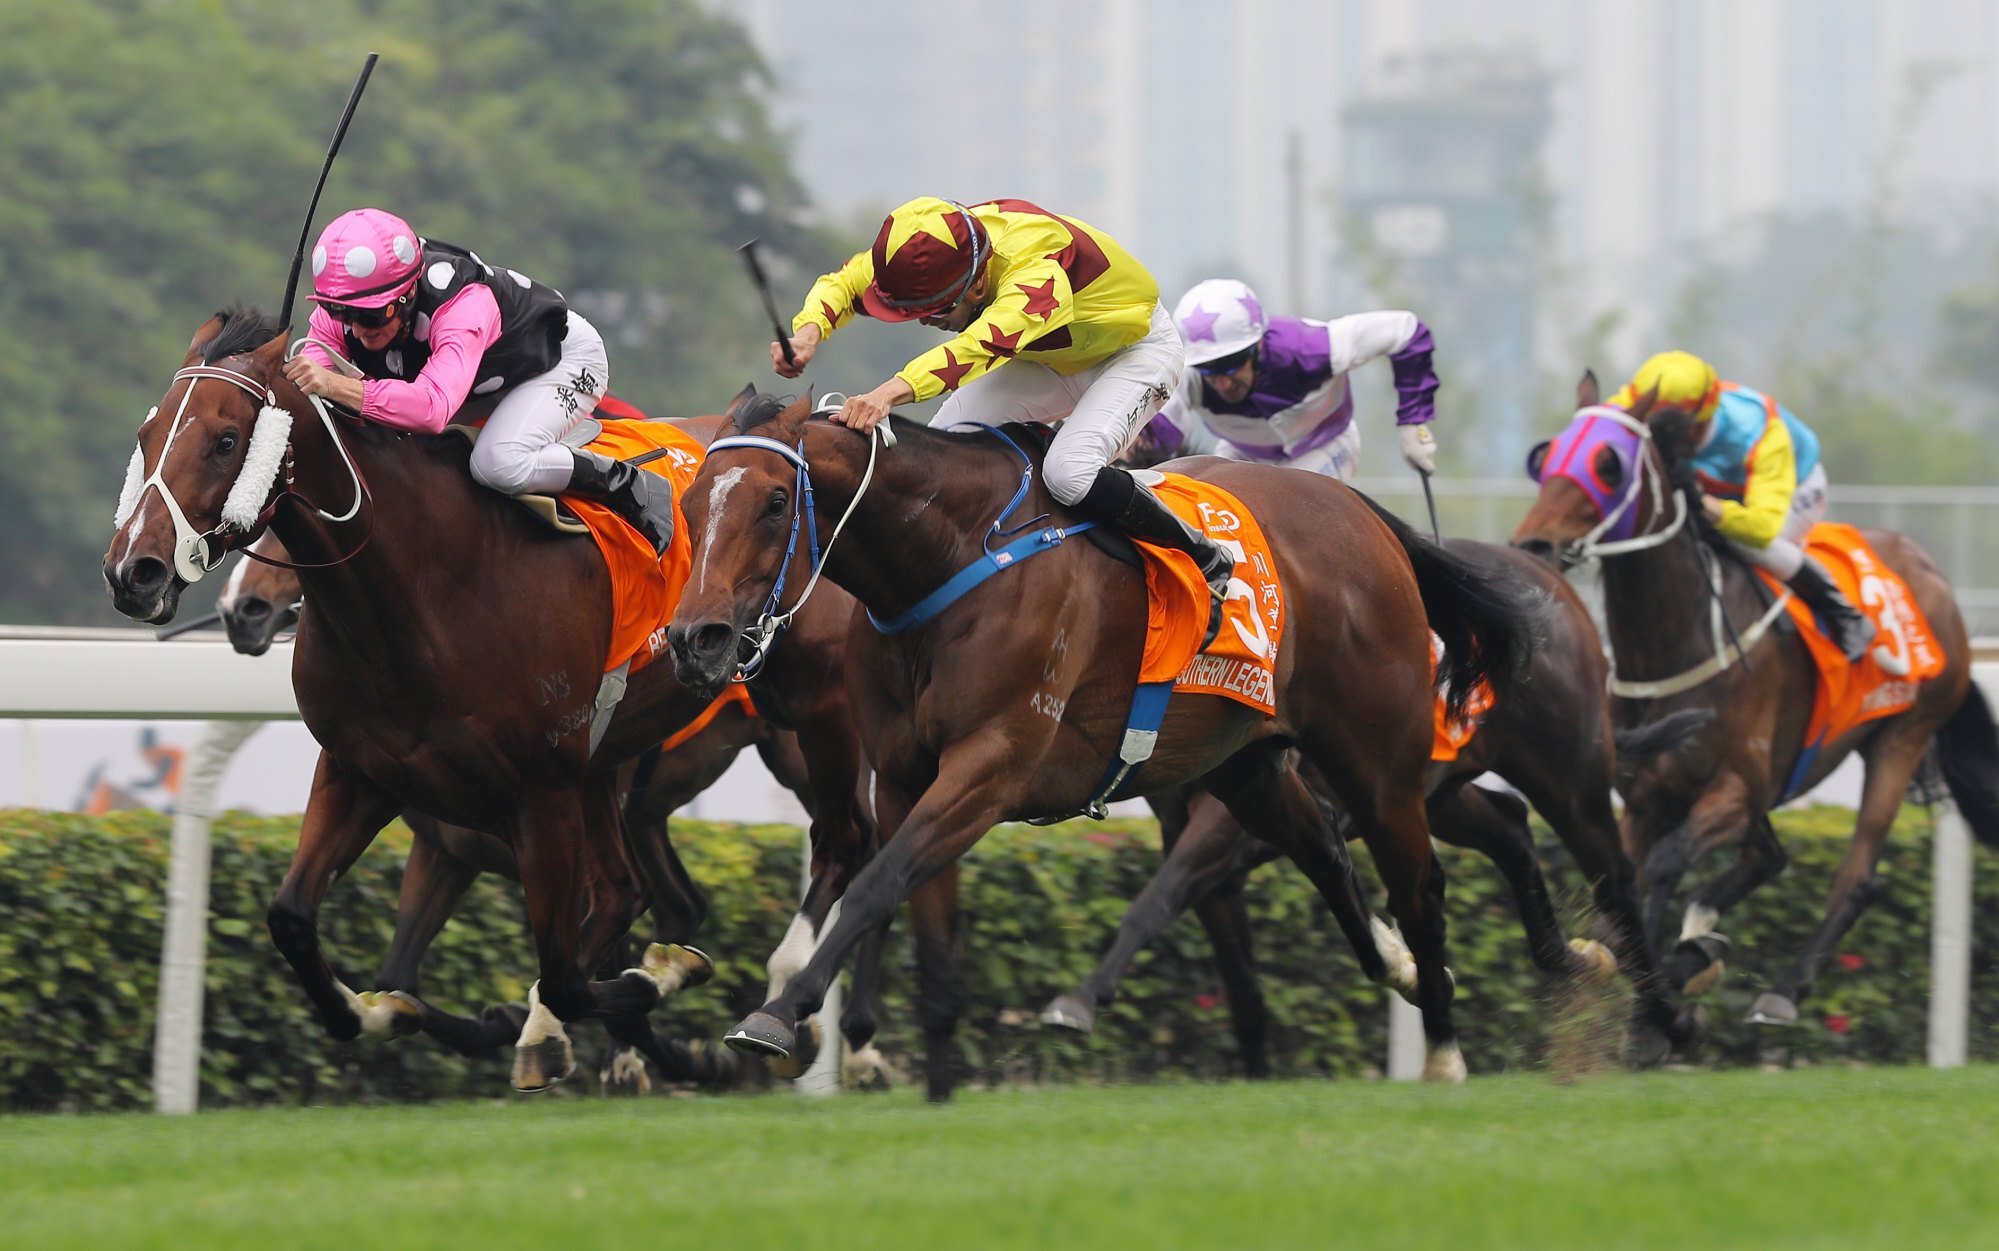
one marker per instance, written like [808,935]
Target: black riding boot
[1852,630]
[1117,497]
[644,499]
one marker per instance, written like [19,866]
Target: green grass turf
[1903,1158]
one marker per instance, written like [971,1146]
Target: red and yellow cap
[1682,380]
[927,256]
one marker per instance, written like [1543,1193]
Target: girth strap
[1141,739]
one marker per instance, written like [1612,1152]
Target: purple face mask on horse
[1601,453]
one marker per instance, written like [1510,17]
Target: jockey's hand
[865,412]
[1419,447]
[315,379]
[803,345]
[1711,508]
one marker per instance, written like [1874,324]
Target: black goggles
[1226,364]
[365,318]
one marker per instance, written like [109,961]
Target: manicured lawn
[1834,1158]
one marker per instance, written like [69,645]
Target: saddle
[548,509]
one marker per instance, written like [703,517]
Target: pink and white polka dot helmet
[365,258]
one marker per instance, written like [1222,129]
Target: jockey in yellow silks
[1053,321]
[1762,485]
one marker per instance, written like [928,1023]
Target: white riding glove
[1419,447]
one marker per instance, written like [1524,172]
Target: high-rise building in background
[1176,124]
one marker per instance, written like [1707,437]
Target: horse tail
[1484,615]
[1967,751]
[1664,735]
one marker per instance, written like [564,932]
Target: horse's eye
[225,443]
[779,504]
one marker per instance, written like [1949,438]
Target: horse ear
[1588,393]
[271,356]
[742,397]
[1643,408]
[800,407]
[1537,457]
[202,337]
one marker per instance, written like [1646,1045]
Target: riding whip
[1430,498]
[749,254]
[332,150]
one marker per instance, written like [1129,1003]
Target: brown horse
[1009,703]
[1718,790]
[259,600]
[450,663]
[1552,740]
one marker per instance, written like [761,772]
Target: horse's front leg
[581,901]
[1722,815]
[968,796]
[342,816]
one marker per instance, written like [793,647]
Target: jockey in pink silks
[438,334]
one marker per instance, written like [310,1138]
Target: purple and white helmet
[1218,318]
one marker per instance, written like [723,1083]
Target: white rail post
[1950,940]
[177,1033]
[1406,1048]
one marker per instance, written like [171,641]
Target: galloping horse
[1552,740]
[450,663]
[261,599]
[1010,701]
[1719,788]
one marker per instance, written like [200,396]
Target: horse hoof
[1593,961]
[793,1066]
[624,1073]
[1696,964]
[866,1069]
[540,1065]
[1445,1065]
[1772,1008]
[1070,1011]
[1648,1047]
[762,1034]
[672,967]
[388,1014]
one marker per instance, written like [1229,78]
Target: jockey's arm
[1403,338]
[1034,300]
[460,332]
[830,303]
[1766,500]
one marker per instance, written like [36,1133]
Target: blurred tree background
[159,156]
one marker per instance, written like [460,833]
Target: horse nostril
[252,608]
[147,575]
[710,639]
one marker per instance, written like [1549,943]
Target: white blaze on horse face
[232,589]
[718,495]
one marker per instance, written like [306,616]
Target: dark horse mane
[245,328]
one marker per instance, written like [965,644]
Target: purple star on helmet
[1200,324]
[1250,306]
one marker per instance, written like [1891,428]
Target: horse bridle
[1728,647]
[250,505]
[770,622]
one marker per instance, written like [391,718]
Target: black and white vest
[533,321]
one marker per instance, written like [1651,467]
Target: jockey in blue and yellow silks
[1761,481]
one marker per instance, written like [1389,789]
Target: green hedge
[82,900]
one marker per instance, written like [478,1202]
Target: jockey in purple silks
[1274,389]
[434,330]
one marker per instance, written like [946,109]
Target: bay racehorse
[1717,791]
[1009,702]
[450,663]
[1552,740]
[262,598]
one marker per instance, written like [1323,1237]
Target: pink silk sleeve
[460,332]
[324,329]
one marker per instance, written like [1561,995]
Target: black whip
[332,150]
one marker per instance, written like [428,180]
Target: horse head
[207,461]
[745,514]
[259,601]
[1593,478]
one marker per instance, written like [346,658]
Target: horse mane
[753,408]
[244,329]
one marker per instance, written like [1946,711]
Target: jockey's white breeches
[1101,409]
[520,450]
[1786,553]
[1336,459]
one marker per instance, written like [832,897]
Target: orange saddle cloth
[645,588]
[1241,663]
[1453,733]
[1851,694]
